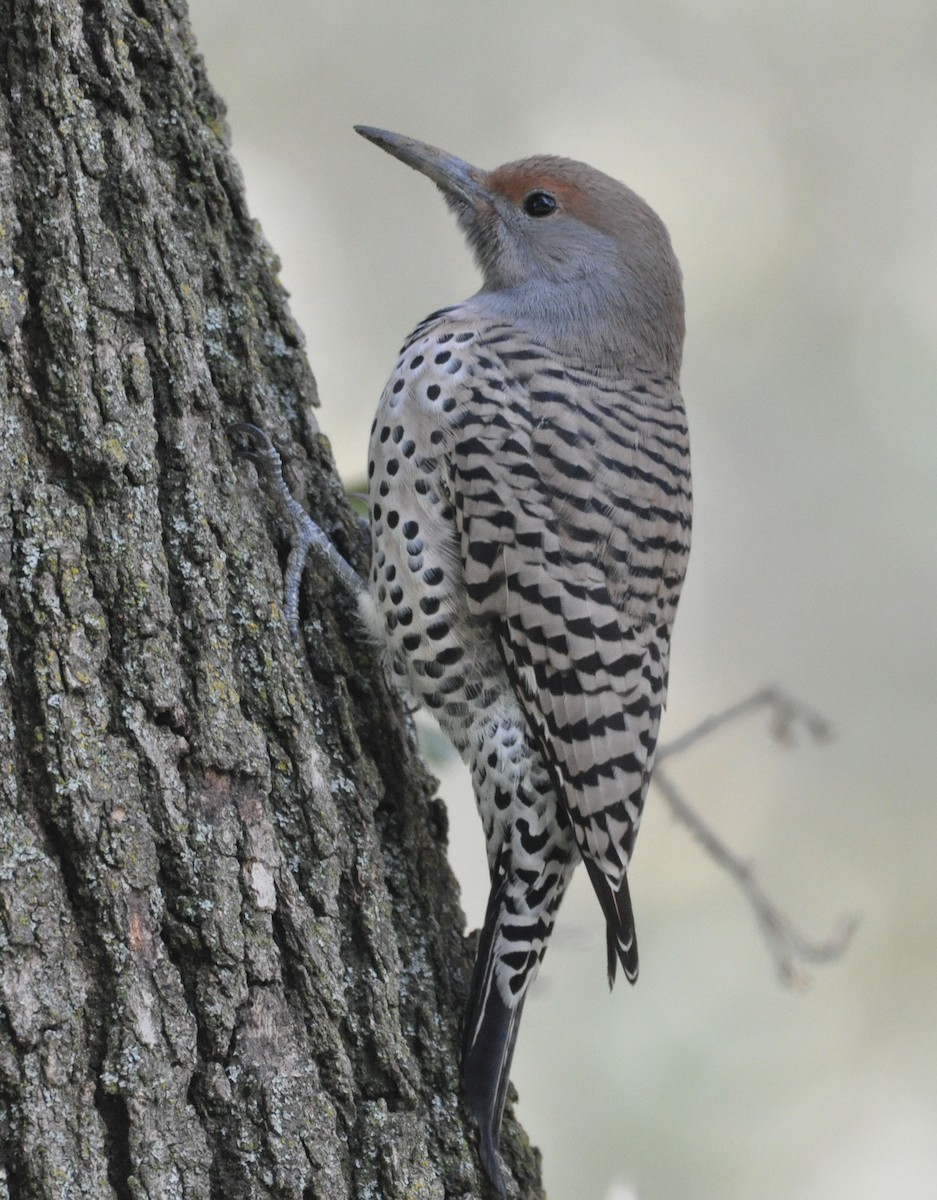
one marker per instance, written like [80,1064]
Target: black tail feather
[622,943]
[488,1045]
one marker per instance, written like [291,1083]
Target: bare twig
[786,713]
[790,949]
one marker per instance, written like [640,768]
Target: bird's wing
[572,507]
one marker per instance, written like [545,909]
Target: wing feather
[564,548]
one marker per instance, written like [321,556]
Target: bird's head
[568,251]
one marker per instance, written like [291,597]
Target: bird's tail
[622,941]
[489,1035]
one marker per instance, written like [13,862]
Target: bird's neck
[584,326]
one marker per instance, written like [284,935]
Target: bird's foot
[253,443]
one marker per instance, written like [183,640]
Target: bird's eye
[539,204]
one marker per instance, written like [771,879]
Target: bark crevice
[116,1118]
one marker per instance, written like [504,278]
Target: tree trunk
[232,962]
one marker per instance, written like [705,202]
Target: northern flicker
[529,491]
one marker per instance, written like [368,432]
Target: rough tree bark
[231,961]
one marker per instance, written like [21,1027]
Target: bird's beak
[457,179]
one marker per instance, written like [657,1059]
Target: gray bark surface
[231,960]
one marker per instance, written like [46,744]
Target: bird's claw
[305,533]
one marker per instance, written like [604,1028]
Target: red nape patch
[514,181]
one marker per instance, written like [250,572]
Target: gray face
[575,256]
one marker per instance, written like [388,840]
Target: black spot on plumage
[392,467]
[617,812]
[448,404]
[371,469]
[583,729]
[585,537]
[393,519]
[471,445]
[405,616]
[398,433]
[484,552]
[501,520]
[532,540]
[532,843]
[532,595]
[556,643]
[415,362]
[525,932]
[390,572]
[376,512]
[522,355]
[637,571]
[443,357]
[583,627]
[537,895]
[430,604]
[565,465]
[436,436]
[527,470]
[452,683]
[624,665]
[450,655]
[397,389]
[438,630]
[412,641]
[433,576]
[515,960]
[407,448]
[432,392]
[396,594]
[484,589]
[473,474]
[384,488]
[410,529]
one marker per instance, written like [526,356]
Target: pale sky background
[792,150]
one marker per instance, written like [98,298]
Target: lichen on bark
[231,960]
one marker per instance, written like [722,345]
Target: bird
[529,497]
[530,514]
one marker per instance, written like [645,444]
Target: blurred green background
[792,150]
